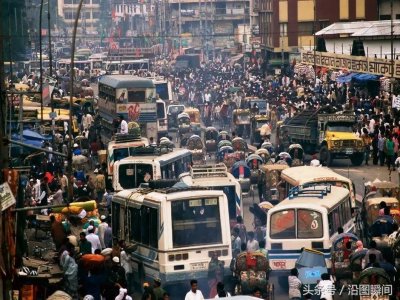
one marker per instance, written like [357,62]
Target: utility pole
[315,43]
[391,49]
[180,26]
[50,53]
[41,61]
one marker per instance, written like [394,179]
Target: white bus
[217,177]
[176,231]
[309,218]
[117,150]
[147,164]
[309,176]
[126,67]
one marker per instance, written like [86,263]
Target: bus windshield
[162,90]
[196,222]
[132,175]
[160,110]
[309,224]
[230,193]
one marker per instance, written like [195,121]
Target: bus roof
[126,81]
[328,201]
[305,174]
[154,157]
[140,195]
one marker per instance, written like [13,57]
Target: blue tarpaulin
[360,77]
[346,78]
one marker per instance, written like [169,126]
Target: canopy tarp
[362,77]
[345,78]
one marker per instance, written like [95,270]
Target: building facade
[389,8]
[208,24]
[287,26]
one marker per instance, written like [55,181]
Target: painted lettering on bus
[279,264]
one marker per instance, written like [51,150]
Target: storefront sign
[360,64]
[7,198]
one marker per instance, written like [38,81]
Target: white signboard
[396,101]
[6,196]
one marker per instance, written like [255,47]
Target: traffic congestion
[202,180]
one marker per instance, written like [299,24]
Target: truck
[329,134]
[186,61]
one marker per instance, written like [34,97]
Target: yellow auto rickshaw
[372,208]
[194,115]
[275,189]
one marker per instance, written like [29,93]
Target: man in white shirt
[315,162]
[93,239]
[194,293]
[252,244]
[101,229]
[124,125]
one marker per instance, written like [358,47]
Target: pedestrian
[294,285]
[372,250]
[326,287]
[367,144]
[242,229]
[115,280]
[159,292]
[123,125]
[381,149]
[93,239]
[194,293]
[101,229]
[57,232]
[100,184]
[257,293]
[215,273]
[221,292]
[70,271]
[85,247]
[390,153]
[126,264]
[123,295]
[236,241]
[252,243]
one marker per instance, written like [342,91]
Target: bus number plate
[198,266]
[279,264]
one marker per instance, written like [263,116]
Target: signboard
[134,110]
[337,118]
[360,64]
[396,102]
[46,94]
[7,198]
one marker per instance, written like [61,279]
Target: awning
[345,78]
[362,77]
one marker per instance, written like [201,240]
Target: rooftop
[361,29]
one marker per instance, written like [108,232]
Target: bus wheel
[357,159]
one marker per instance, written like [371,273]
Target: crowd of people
[216,89]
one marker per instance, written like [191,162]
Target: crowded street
[159,150]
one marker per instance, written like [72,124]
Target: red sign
[133,112]
[279,264]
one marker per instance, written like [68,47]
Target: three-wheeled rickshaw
[254,162]
[183,123]
[241,171]
[172,116]
[259,130]
[275,192]
[264,154]
[241,120]
[251,271]
[195,145]
[239,145]
[296,153]
[211,138]
[223,135]
[194,115]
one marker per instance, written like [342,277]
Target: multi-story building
[387,8]
[90,14]
[287,26]
[208,23]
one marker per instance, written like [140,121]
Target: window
[144,226]
[384,17]
[162,90]
[195,222]
[335,220]
[283,29]
[283,225]
[115,215]
[132,175]
[306,28]
[161,110]
[309,224]
[136,96]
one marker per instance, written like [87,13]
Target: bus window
[309,224]
[120,153]
[115,212]
[132,175]
[162,91]
[195,222]
[282,225]
[144,226]
[160,110]
[136,96]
